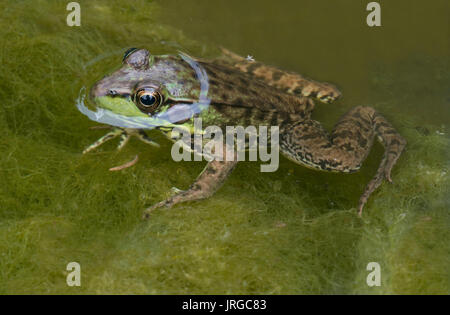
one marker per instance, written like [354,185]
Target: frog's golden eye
[147,100]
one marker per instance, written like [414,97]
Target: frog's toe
[384,172]
[175,190]
[163,204]
[146,216]
[124,138]
[387,175]
[144,138]
[110,135]
[370,188]
[391,159]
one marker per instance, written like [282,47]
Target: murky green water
[289,232]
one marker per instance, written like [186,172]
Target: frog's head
[158,90]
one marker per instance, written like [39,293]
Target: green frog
[164,92]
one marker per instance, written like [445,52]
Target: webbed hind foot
[394,145]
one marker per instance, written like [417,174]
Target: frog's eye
[128,52]
[147,100]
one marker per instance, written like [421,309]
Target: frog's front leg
[125,134]
[290,82]
[206,184]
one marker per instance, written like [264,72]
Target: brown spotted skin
[308,143]
[244,92]
[289,82]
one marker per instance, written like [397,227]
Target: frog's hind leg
[206,184]
[308,143]
[290,82]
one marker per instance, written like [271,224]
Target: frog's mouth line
[173,115]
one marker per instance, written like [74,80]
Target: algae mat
[294,231]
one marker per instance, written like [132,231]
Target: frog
[245,92]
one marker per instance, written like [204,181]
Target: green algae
[289,232]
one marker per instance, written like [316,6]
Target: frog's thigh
[206,184]
[308,143]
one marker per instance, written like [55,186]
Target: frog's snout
[95,91]
[102,88]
